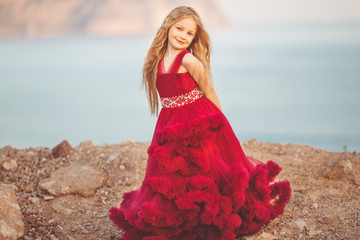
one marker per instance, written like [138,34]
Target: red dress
[198,184]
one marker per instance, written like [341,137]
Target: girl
[198,184]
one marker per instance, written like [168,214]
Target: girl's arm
[197,71]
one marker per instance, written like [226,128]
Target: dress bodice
[172,83]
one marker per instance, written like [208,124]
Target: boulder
[11,223]
[75,179]
[62,150]
[345,169]
[10,165]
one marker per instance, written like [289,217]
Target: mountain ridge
[49,18]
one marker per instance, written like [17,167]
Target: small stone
[70,237]
[299,198]
[47,198]
[10,165]
[314,233]
[266,236]
[301,224]
[250,237]
[314,206]
[253,141]
[52,237]
[34,199]
[30,153]
[311,227]
[86,144]
[112,157]
[6,150]
[296,226]
[357,180]
[62,150]
[328,220]
[305,210]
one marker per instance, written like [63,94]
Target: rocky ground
[65,192]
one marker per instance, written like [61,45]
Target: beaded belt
[181,100]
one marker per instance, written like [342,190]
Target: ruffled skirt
[199,184]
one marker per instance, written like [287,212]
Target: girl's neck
[171,53]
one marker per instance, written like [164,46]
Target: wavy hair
[200,47]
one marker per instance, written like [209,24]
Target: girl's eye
[179,28]
[190,34]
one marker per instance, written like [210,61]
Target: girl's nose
[182,35]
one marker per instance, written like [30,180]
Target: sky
[291,11]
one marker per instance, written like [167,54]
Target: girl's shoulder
[189,59]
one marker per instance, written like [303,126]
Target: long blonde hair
[200,47]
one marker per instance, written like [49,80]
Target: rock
[10,165]
[328,220]
[34,199]
[263,236]
[344,170]
[62,150]
[52,237]
[69,237]
[296,226]
[253,141]
[314,233]
[314,206]
[130,141]
[86,144]
[311,227]
[6,150]
[266,236]
[58,207]
[47,198]
[80,179]
[311,230]
[11,223]
[299,198]
[300,224]
[112,157]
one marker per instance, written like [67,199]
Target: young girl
[198,184]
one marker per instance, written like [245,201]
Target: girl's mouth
[179,41]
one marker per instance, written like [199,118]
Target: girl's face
[182,33]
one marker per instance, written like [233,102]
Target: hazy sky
[290,11]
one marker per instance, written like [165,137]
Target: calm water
[276,83]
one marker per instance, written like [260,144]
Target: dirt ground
[324,205]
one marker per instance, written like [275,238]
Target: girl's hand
[197,71]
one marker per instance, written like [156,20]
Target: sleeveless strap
[174,68]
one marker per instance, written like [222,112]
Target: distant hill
[52,18]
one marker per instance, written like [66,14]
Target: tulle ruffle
[184,199]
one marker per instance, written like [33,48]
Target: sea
[296,83]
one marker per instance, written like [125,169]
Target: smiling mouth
[179,41]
